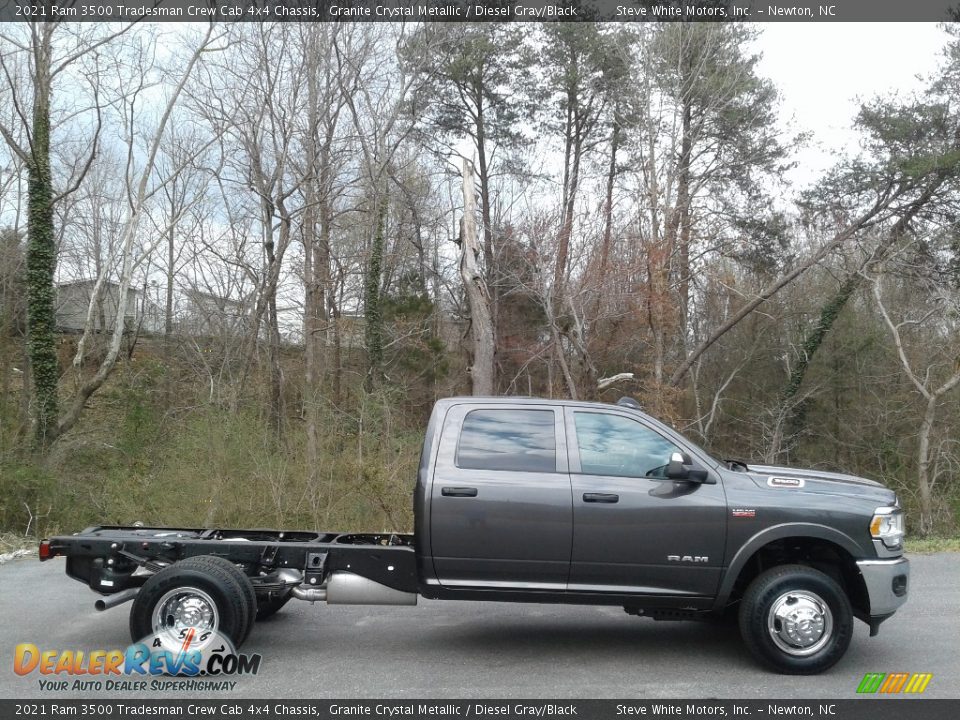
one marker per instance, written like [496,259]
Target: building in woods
[207,314]
[73,302]
[197,314]
[351,326]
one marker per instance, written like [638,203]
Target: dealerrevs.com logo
[894,683]
[205,658]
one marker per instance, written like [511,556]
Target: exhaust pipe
[116,599]
[310,594]
[346,588]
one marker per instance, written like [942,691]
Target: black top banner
[480,10]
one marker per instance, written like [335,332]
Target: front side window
[617,445]
[519,440]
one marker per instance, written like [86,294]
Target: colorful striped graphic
[892,683]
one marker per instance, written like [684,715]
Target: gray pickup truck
[546,501]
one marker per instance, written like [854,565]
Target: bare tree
[326,105]
[942,310]
[481,371]
[138,192]
[255,98]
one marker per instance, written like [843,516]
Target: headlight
[887,526]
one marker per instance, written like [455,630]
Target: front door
[500,507]
[634,530]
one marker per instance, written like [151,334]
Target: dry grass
[925,546]
[13,546]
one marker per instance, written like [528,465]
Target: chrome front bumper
[887,583]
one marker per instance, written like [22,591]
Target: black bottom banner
[861,709]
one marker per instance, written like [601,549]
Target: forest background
[275,213]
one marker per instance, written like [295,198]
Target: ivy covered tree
[49,62]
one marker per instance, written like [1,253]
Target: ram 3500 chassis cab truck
[547,501]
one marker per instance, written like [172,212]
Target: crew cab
[547,501]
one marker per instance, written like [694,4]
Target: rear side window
[519,440]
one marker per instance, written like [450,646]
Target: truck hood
[778,478]
[780,471]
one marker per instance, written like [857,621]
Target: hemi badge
[785,482]
[743,512]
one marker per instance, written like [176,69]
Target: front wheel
[796,619]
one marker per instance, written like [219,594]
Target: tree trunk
[9,282]
[684,214]
[562,362]
[336,302]
[574,136]
[658,304]
[42,253]
[491,281]
[481,372]
[277,409]
[313,301]
[321,258]
[310,350]
[268,285]
[570,166]
[607,212]
[923,465]
[373,332]
[168,300]
[814,338]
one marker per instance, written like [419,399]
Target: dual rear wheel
[194,598]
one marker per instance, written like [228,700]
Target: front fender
[779,532]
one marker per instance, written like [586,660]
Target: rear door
[501,508]
[634,530]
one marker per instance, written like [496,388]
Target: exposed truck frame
[116,561]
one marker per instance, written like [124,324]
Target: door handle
[458,492]
[600,497]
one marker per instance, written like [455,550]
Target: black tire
[208,575]
[245,586]
[785,586]
[271,606]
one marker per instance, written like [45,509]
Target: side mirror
[676,469]
[679,469]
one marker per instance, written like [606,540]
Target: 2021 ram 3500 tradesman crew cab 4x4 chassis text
[546,501]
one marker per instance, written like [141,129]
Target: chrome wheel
[181,610]
[800,623]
